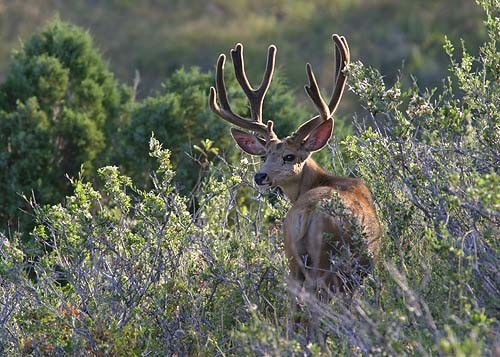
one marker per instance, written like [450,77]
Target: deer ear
[249,143]
[319,136]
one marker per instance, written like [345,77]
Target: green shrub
[59,107]
[432,164]
[130,270]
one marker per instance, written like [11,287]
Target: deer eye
[289,157]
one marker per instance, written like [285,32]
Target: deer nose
[260,177]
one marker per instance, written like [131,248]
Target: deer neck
[311,176]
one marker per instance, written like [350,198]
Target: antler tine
[224,111]
[342,58]
[314,94]
[255,96]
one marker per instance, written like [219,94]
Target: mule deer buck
[314,237]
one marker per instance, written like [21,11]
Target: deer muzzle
[261,178]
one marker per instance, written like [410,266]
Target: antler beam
[255,96]
[342,59]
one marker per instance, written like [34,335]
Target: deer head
[284,158]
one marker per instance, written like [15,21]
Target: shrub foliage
[59,107]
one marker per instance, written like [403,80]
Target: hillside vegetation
[159,37]
[129,224]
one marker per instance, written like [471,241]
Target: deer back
[318,236]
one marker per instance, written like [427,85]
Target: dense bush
[127,270]
[59,107]
[432,162]
[136,271]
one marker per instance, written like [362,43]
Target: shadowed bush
[59,108]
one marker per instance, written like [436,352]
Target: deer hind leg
[306,281]
[295,285]
[319,278]
[295,247]
[302,288]
[311,290]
